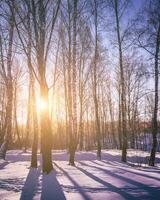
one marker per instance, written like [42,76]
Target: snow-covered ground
[109,179]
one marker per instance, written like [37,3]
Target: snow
[91,179]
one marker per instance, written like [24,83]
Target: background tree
[148,38]
[6,72]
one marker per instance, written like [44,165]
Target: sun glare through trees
[79,99]
[41,104]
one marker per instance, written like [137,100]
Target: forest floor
[109,179]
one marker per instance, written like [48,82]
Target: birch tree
[6,72]
[148,38]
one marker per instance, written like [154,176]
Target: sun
[41,104]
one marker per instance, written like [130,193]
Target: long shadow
[80,155]
[20,157]
[109,186]
[51,190]
[3,164]
[82,193]
[146,168]
[131,158]
[120,163]
[31,184]
[133,172]
[153,192]
[149,169]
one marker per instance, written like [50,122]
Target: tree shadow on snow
[80,156]
[134,159]
[77,187]
[133,170]
[109,187]
[139,190]
[51,190]
[3,163]
[20,157]
[31,184]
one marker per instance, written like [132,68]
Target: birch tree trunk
[122,84]
[9,94]
[96,107]
[154,120]
[73,138]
